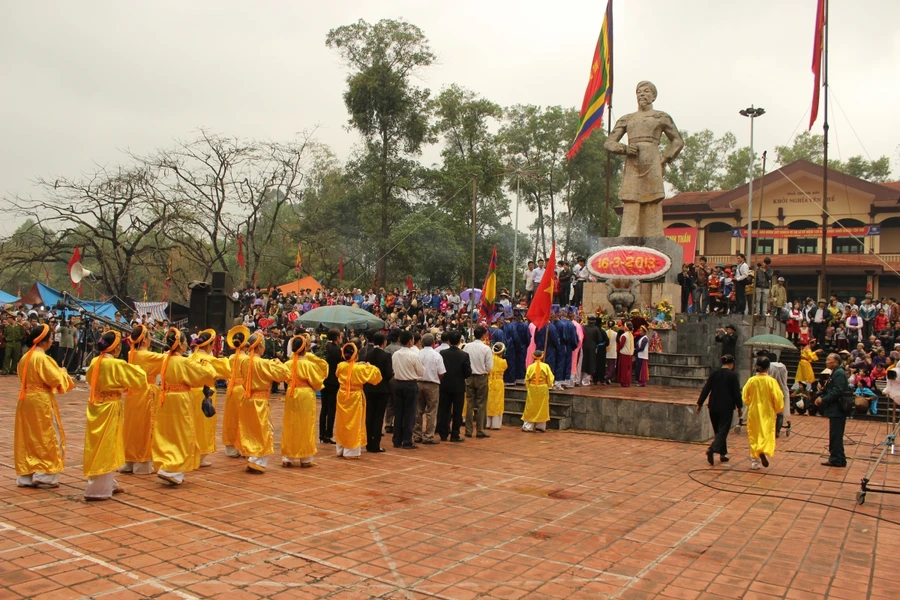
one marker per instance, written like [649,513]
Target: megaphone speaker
[79,272]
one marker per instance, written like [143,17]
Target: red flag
[19,291]
[818,49]
[76,256]
[341,268]
[409,283]
[240,256]
[80,289]
[254,279]
[299,263]
[489,288]
[539,312]
[47,271]
[375,284]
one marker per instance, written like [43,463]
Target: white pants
[259,461]
[232,452]
[348,452]
[177,477]
[494,422]
[139,468]
[307,460]
[101,487]
[37,479]
[527,426]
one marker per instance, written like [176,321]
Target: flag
[19,291]
[80,289]
[539,312]
[145,291]
[409,283]
[489,289]
[76,256]
[168,278]
[240,256]
[599,88]
[341,268]
[299,263]
[47,272]
[254,279]
[818,49]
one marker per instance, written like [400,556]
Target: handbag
[208,408]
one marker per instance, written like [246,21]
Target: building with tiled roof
[862,251]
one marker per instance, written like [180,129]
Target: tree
[117,217]
[810,146]
[389,112]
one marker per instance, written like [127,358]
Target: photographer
[728,338]
[688,281]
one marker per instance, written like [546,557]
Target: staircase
[678,370]
[560,409]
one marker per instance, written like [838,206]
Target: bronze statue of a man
[642,189]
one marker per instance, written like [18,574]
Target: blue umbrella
[340,316]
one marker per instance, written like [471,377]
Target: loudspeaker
[219,313]
[221,283]
[197,309]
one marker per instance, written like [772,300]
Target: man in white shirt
[408,370]
[580,274]
[741,279]
[529,281]
[482,359]
[536,276]
[429,392]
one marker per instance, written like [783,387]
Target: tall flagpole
[825,160]
[609,25]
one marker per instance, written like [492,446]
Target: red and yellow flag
[600,85]
[818,50]
[240,255]
[299,262]
[489,289]
[539,311]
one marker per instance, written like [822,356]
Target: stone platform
[654,411]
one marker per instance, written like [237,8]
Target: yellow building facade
[862,250]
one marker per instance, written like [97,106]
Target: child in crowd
[804,333]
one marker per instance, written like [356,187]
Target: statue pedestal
[648,293]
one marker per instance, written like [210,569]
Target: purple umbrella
[464,296]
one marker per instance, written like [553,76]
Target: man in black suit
[830,402]
[377,395]
[723,389]
[453,388]
[329,393]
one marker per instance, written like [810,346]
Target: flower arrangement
[664,316]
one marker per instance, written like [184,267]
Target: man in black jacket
[329,393]
[830,402]
[377,395]
[723,389]
[453,388]
[728,338]
[592,335]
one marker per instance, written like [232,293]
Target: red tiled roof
[686,198]
[894,185]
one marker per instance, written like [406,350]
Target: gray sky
[80,81]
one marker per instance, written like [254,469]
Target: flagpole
[609,26]
[825,159]
[474,210]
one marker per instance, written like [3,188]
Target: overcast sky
[79,81]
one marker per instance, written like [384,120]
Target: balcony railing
[731,259]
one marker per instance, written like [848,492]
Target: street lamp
[753,113]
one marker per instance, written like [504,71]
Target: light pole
[516,236]
[753,113]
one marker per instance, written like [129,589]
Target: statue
[642,189]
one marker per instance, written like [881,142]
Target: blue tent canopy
[7,298]
[42,294]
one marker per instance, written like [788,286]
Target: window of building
[763,246]
[803,246]
[847,244]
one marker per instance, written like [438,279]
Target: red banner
[686,237]
[812,232]
[629,262]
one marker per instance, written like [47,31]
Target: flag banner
[599,88]
[686,237]
[539,311]
[489,288]
[780,233]
[341,268]
[409,283]
[240,254]
[818,49]
[299,263]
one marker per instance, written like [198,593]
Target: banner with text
[811,232]
[686,237]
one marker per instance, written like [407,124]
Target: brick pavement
[555,515]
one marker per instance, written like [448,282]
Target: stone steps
[678,381]
[560,409]
[514,419]
[698,372]
[688,360]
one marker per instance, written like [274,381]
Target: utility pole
[825,160]
[516,237]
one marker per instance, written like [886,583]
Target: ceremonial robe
[298,431]
[140,412]
[256,438]
[350,419]
[538,379]
[496,393]
[764,399]
[206,426]
[233,394]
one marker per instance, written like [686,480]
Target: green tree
[390,114]
[810,146]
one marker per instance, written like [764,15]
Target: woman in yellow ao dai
[175,447]
[496,388]
[237,340]
[140,406]
[206,426]
[350,418]
[104,442]
[298,430]
[39,440]
[538,381]
[256,438]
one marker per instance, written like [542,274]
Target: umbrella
[340,316]
[770,341]
[464,296]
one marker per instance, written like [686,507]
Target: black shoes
[482,435]
[828,463]
[408,447]
[764,460]
[376,451]
[709,458]
[431,442]
[724,459]
[457,439]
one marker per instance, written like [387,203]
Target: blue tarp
[7,298]
[47,296]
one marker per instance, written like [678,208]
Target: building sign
[812,232]
[686,237]
[629,262]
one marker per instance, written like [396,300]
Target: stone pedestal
[649,293]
